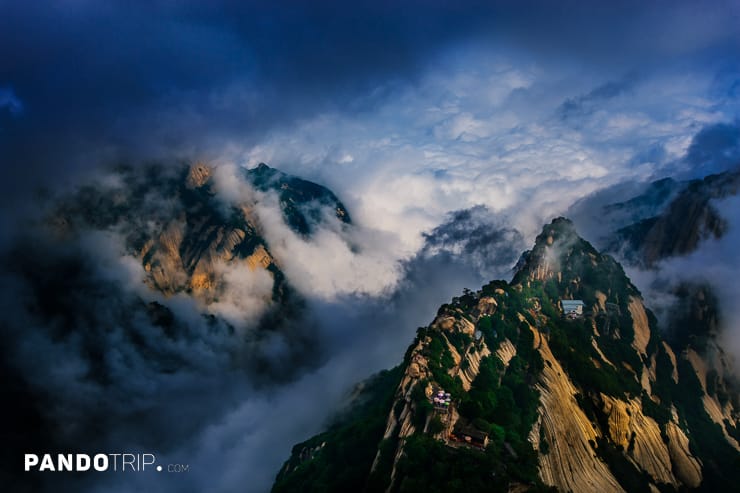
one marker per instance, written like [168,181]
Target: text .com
[119,462]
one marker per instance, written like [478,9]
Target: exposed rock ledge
[571,463]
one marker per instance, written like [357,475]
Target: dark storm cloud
[577,107]
[715,148]
[474,240]
[105,81]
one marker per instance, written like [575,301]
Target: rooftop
[572,302]
[471,431]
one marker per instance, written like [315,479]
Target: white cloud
[334,260]
[489,132]
[231,186]
[245,294]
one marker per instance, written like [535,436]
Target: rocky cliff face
[598,402]
[688,219]
[184,235]
[684,215]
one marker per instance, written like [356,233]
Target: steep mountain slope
[671,219]
[183,233]
[695,319]
[598,402]
[688,218]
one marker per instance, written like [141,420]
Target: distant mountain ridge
[689,218]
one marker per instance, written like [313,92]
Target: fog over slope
[113,362]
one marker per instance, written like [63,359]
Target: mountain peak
[557,246]
[263,169]
[302,200]
[560,230]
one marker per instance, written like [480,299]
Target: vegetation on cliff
[635,414]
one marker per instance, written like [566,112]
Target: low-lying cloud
[244,296]
[195,379]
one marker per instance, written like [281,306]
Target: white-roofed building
[572,308]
